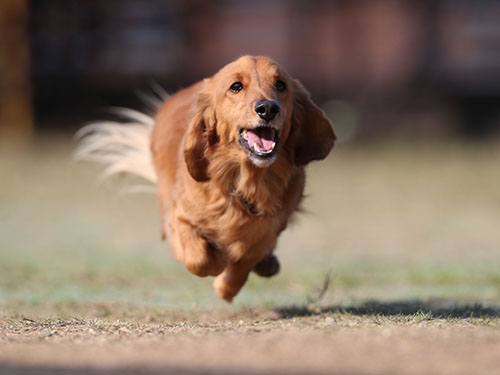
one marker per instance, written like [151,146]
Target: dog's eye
[236,87]
[280,86]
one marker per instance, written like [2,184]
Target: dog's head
[253,108]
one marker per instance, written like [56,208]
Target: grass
[388,222]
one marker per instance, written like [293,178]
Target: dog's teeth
[273,145]
[255,147]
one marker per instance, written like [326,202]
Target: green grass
[391,222]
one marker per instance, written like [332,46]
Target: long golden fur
[228,155]
[223,210]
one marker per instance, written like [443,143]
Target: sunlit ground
[386,222]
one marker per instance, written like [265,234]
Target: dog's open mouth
[261,142]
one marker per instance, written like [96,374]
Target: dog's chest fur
[243,213]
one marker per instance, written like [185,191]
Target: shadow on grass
[20,369]
[435,309]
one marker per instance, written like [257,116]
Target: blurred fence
[15,90]
[378,66]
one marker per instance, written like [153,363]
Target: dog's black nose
[267,109]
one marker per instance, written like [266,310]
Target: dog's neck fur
[257,191]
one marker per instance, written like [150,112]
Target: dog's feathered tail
[123,146]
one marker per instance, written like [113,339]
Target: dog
[228,156]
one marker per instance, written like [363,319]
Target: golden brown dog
[229,155]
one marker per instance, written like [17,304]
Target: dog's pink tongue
[264,141]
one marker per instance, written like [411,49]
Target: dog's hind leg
[267,266]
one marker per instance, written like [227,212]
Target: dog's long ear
[314,136]
[200,135]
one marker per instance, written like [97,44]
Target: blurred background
[387,67]
[410,198]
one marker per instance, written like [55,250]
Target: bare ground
[392,338]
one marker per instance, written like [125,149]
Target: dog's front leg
[228,283]
[191,248]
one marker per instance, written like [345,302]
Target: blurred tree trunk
[16,120]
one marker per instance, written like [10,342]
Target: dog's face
[254,99]
[253,106]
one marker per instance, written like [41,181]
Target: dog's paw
[223,290]
[268,266]
[212,263]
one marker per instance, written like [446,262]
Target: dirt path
[253,343]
